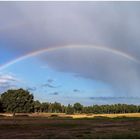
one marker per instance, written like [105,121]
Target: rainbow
[38,52]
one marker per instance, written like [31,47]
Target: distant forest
[21,101]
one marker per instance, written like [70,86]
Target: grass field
[101,126]
[106,115]
[73,116]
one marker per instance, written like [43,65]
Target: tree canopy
[19,100]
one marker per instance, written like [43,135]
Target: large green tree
[16,101]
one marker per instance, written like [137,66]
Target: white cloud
[7,78]
[8,81]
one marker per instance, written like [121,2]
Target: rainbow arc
[41,51]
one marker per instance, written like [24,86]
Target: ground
[58,127]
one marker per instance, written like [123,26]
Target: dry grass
[106,115]
[63,115]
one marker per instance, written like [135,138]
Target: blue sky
[94,57]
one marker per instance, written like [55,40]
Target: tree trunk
[14,120]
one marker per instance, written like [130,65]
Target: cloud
[7,81]
[7,78]
[115,100]
[31,88]
[76,90]
[102,91]
[118,72]
[50,80]
[49,85]
[112,98]
[55,93]
[55,24]
[32,26]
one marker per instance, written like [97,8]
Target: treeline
[78,108]
[21,100]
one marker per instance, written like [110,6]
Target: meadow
[54,125]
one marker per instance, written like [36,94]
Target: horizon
[86,52]
[92,98]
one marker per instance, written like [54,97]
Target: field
[71,127]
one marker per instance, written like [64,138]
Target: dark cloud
[31,88]
[50,80]
[120,73]
[76,90]
[49,85]
[55,93]
[29,26]
[112,24]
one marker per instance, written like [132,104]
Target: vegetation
[21,100]
[17,101]
[81,127]
[69,109]
[44,128]
[79,109]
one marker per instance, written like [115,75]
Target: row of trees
[22,101]
[78,108]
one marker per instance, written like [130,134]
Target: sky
[69,52]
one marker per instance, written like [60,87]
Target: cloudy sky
[70,52]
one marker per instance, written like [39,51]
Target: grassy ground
[58,127]
[106,115]
[63,115]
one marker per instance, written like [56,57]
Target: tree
[64,109]
[70,109]
[56,107]
[37,106]
[16,101]
[44,107]
[78,107]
